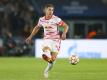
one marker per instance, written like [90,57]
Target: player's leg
[47,69]
[46,56]
[46,48]
[53,56]
[46,51]
[50,65]
[51,60]
[53,50]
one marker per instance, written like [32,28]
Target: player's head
[49,9]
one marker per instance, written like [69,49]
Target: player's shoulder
[42,18]
[54,16]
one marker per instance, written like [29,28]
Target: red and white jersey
[50,27]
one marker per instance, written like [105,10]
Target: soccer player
[52,38]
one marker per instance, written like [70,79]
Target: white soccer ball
[74,59]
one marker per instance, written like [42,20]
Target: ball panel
[74,59]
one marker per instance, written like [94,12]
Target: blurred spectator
[77,36]
[15,46]
[91,34]
[16,16]
[9,43]
[100,35]
[1,47]
[96,34]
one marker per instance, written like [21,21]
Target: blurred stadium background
[87,37]
[87,19]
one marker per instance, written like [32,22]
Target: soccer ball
[74,59]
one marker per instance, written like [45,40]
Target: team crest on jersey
[48,27]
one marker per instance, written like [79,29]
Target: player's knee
[45,49]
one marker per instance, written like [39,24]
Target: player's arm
[65,26]
[34,32]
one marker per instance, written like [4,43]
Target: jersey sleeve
[39,24]
[59,21]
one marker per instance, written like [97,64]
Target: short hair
[49,5]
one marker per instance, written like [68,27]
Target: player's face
[49,11]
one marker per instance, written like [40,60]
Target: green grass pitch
[32,69]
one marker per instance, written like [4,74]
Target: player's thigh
[55,48]
[56,45]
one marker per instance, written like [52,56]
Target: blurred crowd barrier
[86,20]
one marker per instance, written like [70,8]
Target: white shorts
[54,45]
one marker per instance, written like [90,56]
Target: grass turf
[32,69]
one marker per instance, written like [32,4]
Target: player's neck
[47,17]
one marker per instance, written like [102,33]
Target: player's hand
[28,40]
[63,37]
